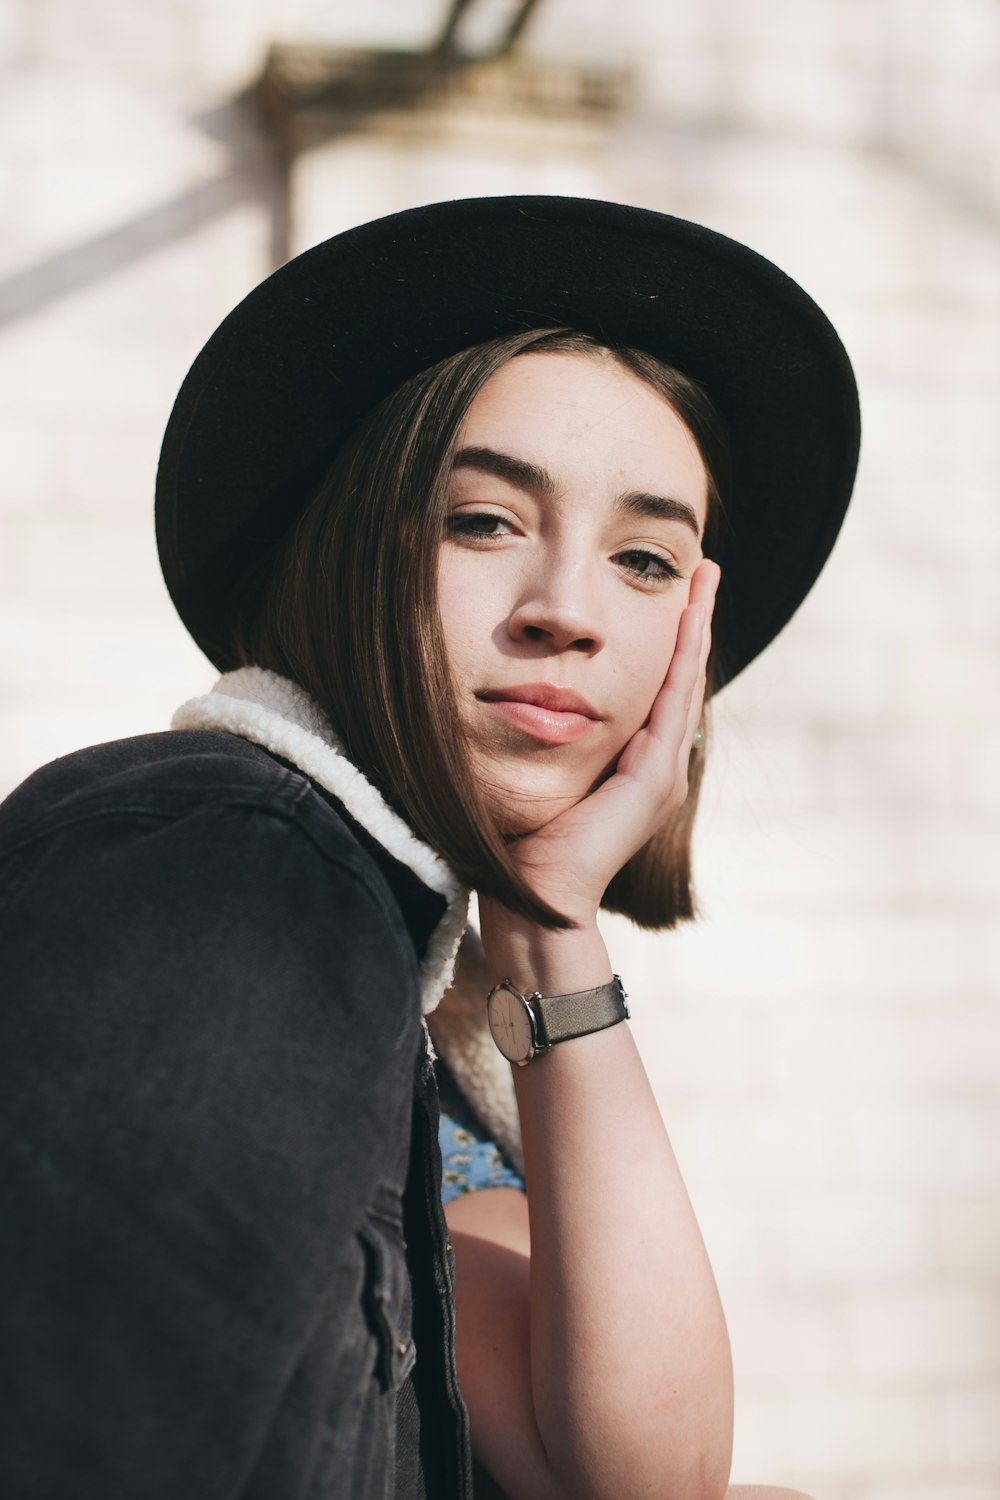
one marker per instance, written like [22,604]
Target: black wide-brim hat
[285,378]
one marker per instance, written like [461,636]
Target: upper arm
[194,1009]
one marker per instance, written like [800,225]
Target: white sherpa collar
[278,715]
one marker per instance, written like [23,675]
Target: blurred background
[826,1042]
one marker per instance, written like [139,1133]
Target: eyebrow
[538,481]
[658,508]
[517,471]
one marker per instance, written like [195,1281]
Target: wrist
[538,958]
[526,1026]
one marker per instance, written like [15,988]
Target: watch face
[510,1024]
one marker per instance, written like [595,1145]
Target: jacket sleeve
[208,1036]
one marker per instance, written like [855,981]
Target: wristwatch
[525,1025]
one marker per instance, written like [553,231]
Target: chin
[524,804]
[517,823]
[520,811]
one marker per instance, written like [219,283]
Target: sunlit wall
[826,1042]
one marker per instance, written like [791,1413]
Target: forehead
[588,420]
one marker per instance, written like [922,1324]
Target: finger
[693,677]
[707,579]
[676,711]
[668,719]
[697,700]
[704,583]
[693,635]
[704,587]
[711,585]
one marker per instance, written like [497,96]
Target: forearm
[630,1367]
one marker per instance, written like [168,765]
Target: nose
[557,608]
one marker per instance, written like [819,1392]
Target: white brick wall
[826,1043]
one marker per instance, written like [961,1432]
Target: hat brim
[316,346]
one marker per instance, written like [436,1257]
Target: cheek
[647,662]
[455,601]
[467,621]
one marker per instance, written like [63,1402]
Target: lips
[545,713]
[541,695]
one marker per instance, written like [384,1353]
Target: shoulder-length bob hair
[349,611]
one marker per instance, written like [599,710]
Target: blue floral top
[469,1159]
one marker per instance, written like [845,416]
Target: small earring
[698,743]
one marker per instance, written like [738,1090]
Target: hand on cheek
[676,714]
[573,858]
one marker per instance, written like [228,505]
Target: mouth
[547,714]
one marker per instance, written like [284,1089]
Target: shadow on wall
[303,97]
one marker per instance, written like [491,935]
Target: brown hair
[350,613]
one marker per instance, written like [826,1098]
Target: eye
[477,525]
[650,567]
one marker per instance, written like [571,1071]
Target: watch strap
[562,1017]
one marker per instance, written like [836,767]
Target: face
[577,505]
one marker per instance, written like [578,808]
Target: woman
[445,499]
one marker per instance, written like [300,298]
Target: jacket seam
[300,787]
[219,796]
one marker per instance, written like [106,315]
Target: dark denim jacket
[224,1270]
